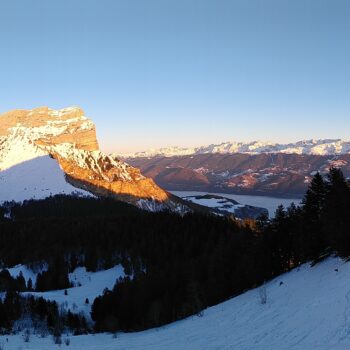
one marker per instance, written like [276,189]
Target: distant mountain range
[269,174]
[307,147]
[46,152]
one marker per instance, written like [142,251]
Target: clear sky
[154,73]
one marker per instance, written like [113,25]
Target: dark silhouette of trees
[176,265]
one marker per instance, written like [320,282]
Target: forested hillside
[175,265]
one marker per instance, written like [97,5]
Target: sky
[156,73]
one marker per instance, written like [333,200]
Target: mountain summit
[45,152]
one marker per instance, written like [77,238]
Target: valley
[106,255]
[270,203]
[266,174]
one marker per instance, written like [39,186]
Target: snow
[217,203]
[37,178]
[315,147]
[150,205]
[97,161]
[270,203]
[26,272]
[15,150]
[87,285]
[310,310]
[153,205]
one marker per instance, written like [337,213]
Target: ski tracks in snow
[345,329]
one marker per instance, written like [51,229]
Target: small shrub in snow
[42,330]
[67,341]
[24,323]
[63,307]
[262,295]
[57,339]
[26,336]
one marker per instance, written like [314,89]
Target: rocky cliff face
[69,137]
[45,126]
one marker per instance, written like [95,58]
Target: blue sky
[182,72]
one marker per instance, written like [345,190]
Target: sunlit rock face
[45,126]
[69,137]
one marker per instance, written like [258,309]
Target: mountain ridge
[304,147]
[276,175]
[69,137]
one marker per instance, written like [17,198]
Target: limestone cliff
[69,137]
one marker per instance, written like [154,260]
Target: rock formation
[69,137]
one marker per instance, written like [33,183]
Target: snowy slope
[86,285]
[315,147]
[26,272]
[310,310]
[37,178]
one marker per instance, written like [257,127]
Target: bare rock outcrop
[68,136]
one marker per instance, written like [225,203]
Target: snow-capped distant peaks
[307,147]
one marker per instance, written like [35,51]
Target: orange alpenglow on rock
[67,125]
[70,138]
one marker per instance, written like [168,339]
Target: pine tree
[30,284]
[336,218]
[313,203]
[20,282]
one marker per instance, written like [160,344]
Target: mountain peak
[69,137]
[45,126]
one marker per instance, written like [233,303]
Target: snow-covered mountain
[309,147]
[307,308]
[45,152]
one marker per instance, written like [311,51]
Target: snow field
[309,310]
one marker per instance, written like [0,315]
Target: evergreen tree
[20,282]
[30,284]
[313,203]
[336,218]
